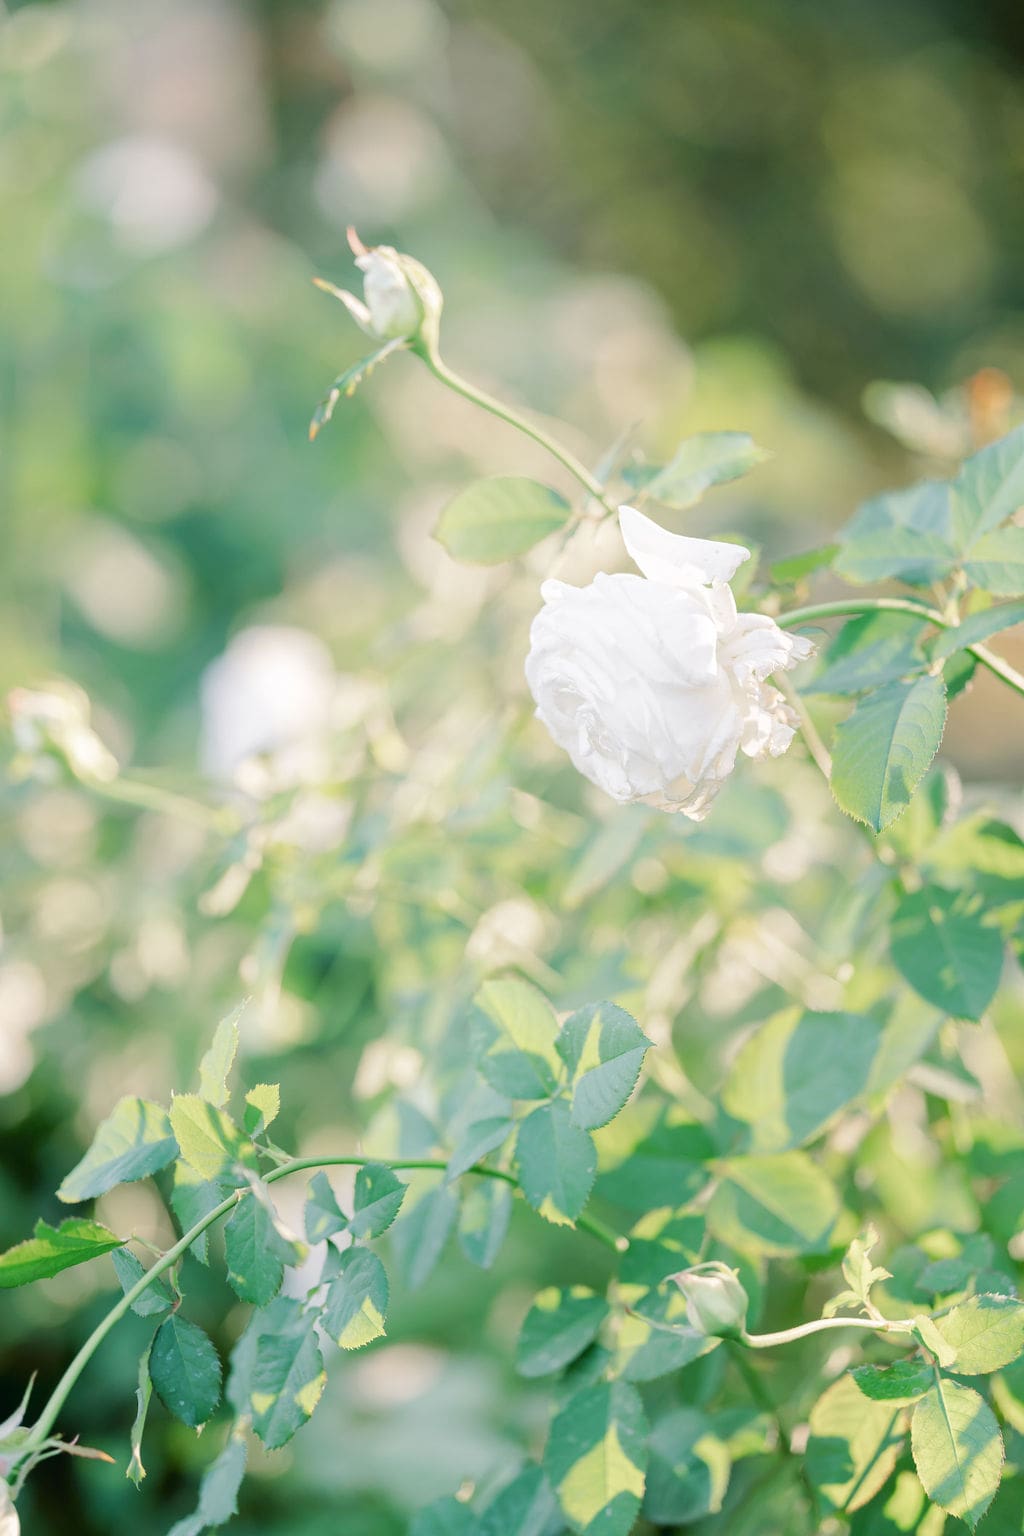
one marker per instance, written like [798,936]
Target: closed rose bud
[401,299]
[716,1303]
[653,684]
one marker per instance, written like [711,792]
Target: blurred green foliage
[685,216]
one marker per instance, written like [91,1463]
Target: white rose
[653,683]
[402,299]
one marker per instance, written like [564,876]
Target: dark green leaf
[525,1507]
[558,1327]
[445,1517]
[323,1216]
[257,1248]
[557,1163]
[603,1048]
[947,953]
[497,519]
[156,1298]
[900,1382]
[662,1242]
[958,1450]
[132,1143]
[277,1373]
[192,1198]
[596,1458]
[185,1369]
[357,1301]
[378,1198]
[477,1140]
[689,1469]
[52,1249]
[655,1337]
[218,1491]
[881,753]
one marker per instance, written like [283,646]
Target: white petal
[674,559]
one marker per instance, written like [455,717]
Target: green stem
[819,1325]
[150,797]
[855,605]
[48,1417]
[461,386]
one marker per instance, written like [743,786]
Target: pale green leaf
[133,1142]
[156,1298]
[210,1141]
[557,1163]
[262,1106]
[987,1333]
[596,1458]
[514,1029]
[51,1249]
[881,753]
[192,1198]
[143,1395]
[497,519]
[484,1220]
[445,1517]
[603,1048]
[323,1216]
[989,487]
[958,1450]
[420,1235]
[996,562]
[218,1490]
[853,1446]
[479,1138]
[216,1065]
[977,627]
[699,463]
[357,1301]
[185,1369]
[901,533]
[776,1204]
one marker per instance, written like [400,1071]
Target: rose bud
[654,683]
[716,1303]
[401,299]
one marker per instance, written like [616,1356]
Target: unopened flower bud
[716,1303]
[401,299]
[52,723]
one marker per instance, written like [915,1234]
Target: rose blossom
[653,683]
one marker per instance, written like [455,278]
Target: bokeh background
[657,217]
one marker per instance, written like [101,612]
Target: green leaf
[689,1469]
[210,1141]
[143,1395]
[603,1048]
[192,1198]
[262,1106]
[476,1141]
[277,1372]
[218,1490]
[525,1507]
[989,487]
[977,627]
[700,462]
[52,1249]
[902,533]
[596,1458]
[853,1446]
[156,1298]
[348,382]
[869,651]
[796,567]
[378,1198]
[655,1337]
[558,1327]
[257,1248]
[219,1059]
[357,1301]
[881,753]
[900,1382]
[483,1221]
[777,1204]
[950,957]
[323,1216]
[958,1450]
[660,1244]
[513,1031]
[133,1142]
[420,1235]
[497,519]
[445,1517]
[926,1332]
[797,1072]
[557,1163]
[987,1333]
[185,1369]
[996,562]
